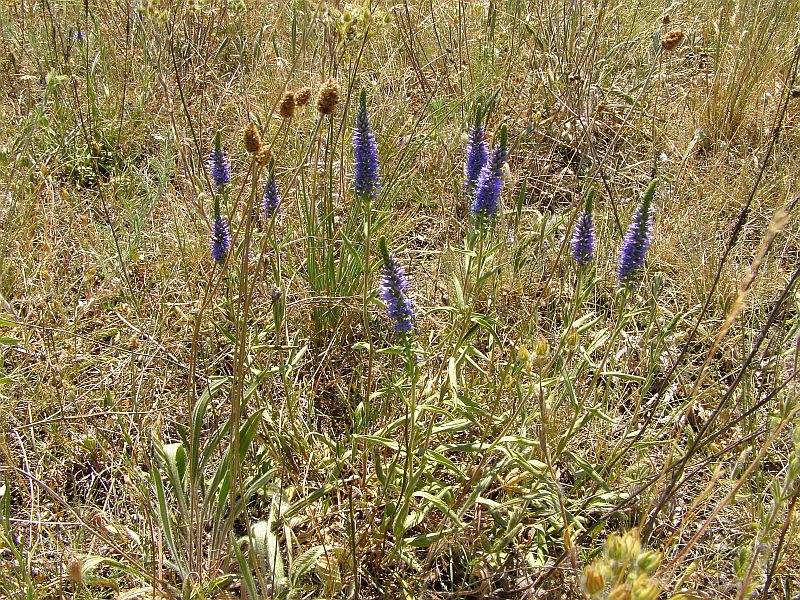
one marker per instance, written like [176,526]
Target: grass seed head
[252,139]
[287,105]
[671,40]
[328,98]
[302,96]
[263,157]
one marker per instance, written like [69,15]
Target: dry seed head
[302,96]
[75,569]
[287,105]
[328,98]
[252,140]
[672,40]
[263,156]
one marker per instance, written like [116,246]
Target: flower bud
[571,337]
[649,561]
[523,357]
[632,545]
[621,592]
[540,349]
[593,580]
[615,548]
[644,588]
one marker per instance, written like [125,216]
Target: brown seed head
[328,98]
[263,156]
[252,140]
[287,105]
[671,40]
[302,96]
[75,569]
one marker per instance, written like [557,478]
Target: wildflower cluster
[486,201]
[270,199]
[477,154]
[583,240]
[394,292]
[220,236]
[221,176]
[483,182]
[624,571]
[637,239]
[365,152]
[219,166]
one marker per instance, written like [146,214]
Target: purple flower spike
[477,155]
[583,240]
[219,165]
[365,153]
[220,239]
[486,204]
[637,239]
[394,292]
[271,199]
